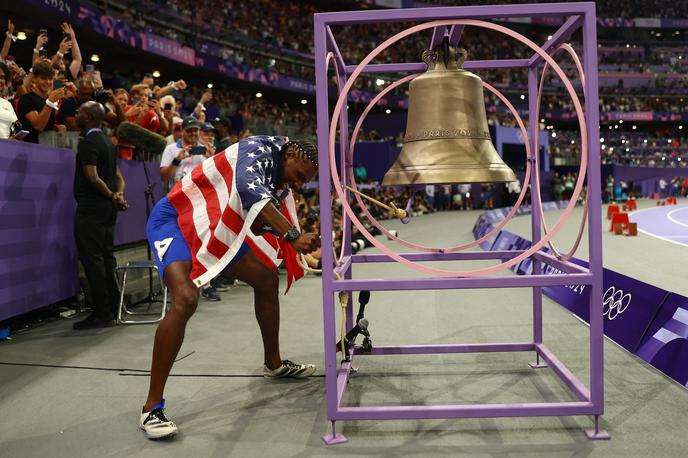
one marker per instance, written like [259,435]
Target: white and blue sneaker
[155,424]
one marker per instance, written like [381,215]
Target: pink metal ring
[430,270]
[568,48]
[345,227]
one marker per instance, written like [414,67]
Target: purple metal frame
[590,400]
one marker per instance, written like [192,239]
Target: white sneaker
[155,424]
[289,370]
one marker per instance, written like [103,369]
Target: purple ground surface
[667,222]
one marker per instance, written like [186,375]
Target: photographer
[87,92]
[181,157]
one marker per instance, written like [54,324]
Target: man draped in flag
[207,225]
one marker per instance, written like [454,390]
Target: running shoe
[155,424]
[289,369]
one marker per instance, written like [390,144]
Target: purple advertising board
[170,49]
[665,344]
[38,258]
[64,8]
[644,319]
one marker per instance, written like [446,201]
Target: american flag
[219,201]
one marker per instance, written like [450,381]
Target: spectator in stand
[176,131]
[37,108]
[7,115]
[225,135]
[177,159]
[9,38]
[207,135]
[200,109]
[143,111]
[68,44]
[85,92]
[361,173]
[167,103]
[122,97]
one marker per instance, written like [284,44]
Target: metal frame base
[537,364]
[334,438]
[599,435]
[596,433]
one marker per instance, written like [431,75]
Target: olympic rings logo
[615,302]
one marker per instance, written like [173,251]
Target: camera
[196,150]
[15,127]
[101,96]
[312,215]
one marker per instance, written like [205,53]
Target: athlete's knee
[267,282]
[185,301]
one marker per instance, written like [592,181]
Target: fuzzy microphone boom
[143,139]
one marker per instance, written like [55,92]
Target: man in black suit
[99,193]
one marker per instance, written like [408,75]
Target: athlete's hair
[304,148]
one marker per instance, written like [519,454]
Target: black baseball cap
[223,121]
[190,123]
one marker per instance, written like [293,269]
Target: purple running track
[668,222]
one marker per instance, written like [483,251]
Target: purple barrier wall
[38,259]
[131,224]
[648,321]
[38,256]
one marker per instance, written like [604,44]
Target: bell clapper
[398,212]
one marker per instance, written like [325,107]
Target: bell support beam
[455,34]
[421,67]
[334,49]
[445,12]
[438,34]
[560,36]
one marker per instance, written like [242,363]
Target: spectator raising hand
[9,38]
[75,65]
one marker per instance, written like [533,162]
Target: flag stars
[250,169]
[262,149]
[265,195]
[251,154]
[252,186]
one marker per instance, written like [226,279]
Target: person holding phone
[37,108]
[144,112]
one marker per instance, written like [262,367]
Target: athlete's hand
[306,243]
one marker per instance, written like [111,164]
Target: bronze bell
[447,139]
